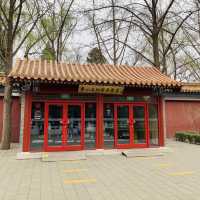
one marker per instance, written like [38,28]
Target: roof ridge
[74,63]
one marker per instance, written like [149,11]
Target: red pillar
[147,124]
[27,122]
[160,119]
[99,122]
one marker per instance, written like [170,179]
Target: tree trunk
[114,34]
[164,66]
[156,52]
[174,62]
[7,104]
[155,35]
[163,59]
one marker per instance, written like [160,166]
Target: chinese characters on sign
[100,89]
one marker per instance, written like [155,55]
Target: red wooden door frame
[99,121]
[160,121]
[146,126]
[27,122]
[99,136]
[131,144]
[121,146]
[64,146]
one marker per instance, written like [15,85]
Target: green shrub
[177,136]
[180,136]
[197,139]
[191,137]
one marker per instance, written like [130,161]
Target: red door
[131,128]
[140,125]
[64,126]
[123,126]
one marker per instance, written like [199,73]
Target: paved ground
[173,176]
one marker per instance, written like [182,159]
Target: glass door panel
[153,124]
[139,124]
[90,125]
[74,125]
[108,125]
[37,126]
[123,124]
[55,125]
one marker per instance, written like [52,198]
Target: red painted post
[147,124]
[65,124]
[115,126]
[83,126]
[131,123]
[160,119]
[99,122]
[46,114]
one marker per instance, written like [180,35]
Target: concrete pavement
[174,176]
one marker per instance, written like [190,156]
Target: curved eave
[74,81]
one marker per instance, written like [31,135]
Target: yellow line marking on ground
[74,170]
[186,173]
[45,155]
[164,165]
[145,158]
[71,161]
[79,181]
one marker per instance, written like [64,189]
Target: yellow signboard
[100,89]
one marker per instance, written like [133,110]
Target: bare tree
[51,35]
[111,34]
[13,18]
[150,18]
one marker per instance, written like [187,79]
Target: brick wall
[182,116]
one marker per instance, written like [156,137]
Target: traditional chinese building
[76,107]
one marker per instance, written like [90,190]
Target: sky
[83,39]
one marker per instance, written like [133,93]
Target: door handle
[130,123]
[63,123]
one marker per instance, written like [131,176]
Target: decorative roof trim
[52,71]
[190,87]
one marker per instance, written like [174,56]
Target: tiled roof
[190,87]
[90,73]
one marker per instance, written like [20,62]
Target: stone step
[63,156]
[148,152]
[28,155]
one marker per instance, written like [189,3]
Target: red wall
[15,118]
[182,116]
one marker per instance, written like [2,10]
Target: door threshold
[52,156]
[83,154]
[67,155]
[103,152]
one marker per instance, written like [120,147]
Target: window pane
[153,124]
[108,126]
[74,125]
[123,125]
[37,126]
[90,125]
[139,125]
[55,125]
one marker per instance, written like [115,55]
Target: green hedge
[191,137]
